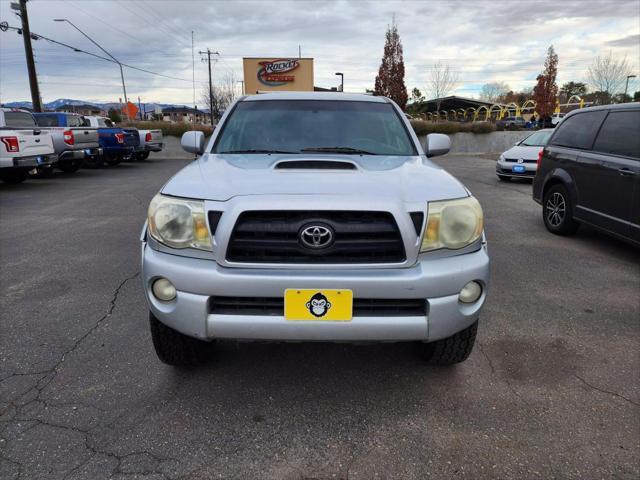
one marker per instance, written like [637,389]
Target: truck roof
[345,97]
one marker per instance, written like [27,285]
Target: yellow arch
[470,113]
[477,113]
[496,108]
[515,107]
[528,104]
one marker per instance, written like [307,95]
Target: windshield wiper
[256,151]
[347,150]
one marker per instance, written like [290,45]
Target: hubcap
[556,209]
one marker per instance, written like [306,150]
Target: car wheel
[451,350]
[141,157]
[503,178]
[557,211]
[174,348]
[69,167]
[13,176]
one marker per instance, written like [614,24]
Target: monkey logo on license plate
[318,305]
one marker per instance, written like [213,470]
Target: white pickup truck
[22,148]
[150,141]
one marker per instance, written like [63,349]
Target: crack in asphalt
[46,377]
[602,390]
[493,373]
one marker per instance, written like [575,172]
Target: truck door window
[47,120]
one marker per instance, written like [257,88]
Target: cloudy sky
[482,40]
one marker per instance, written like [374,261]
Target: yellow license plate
[318,305]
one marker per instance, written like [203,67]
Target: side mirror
[437,144]
[193,142]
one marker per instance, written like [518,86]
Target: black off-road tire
[142,156]
[562,223]
[504,178]
[451,350]
[13,176]
[70,166]
[112,161]
[174,348]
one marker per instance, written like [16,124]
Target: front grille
[515,160]
[274,237]
[362,307]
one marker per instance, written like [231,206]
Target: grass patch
[422,127]
[169,129]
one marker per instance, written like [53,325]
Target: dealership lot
[551,389]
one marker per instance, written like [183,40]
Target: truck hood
[221,177]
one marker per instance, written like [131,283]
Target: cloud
[628,41]
[483,41]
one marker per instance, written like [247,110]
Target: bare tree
[607,74]
[442,82]
[494,91]
[224,94]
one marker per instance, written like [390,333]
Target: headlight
[179,222]
[452,224]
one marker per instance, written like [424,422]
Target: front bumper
[438,281]
[504,168]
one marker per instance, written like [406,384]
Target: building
[446,104]
[186,115]
[277,75]
[85,109]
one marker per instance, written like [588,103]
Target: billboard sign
[278,74]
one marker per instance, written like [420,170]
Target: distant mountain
[147,107]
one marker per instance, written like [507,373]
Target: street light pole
[124,88]
[627,86]
[341,80]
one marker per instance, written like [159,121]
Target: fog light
[164,290]
[470,292]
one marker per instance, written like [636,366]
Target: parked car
[511,122]
[23,145]
[590,172]
[330,225]
[117,143]
[72,141]
[150,141]
[521,160]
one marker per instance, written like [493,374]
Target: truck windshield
[314,126]
[19,119]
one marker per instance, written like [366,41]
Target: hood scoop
[315,165]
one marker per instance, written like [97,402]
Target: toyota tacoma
[314,217]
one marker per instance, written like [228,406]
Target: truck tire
[557,211]
[112,161]
[13,176]
[70,166]
[451,350]
[142,156]
[174,348]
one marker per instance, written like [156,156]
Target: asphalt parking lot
[552,389]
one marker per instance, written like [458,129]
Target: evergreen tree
[390,78]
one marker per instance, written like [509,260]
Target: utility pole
[140,109]
[208,53]
[626,87]
[36,101]
[124,88]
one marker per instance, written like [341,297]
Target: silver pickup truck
[22,148]
[73,141]
[314,217]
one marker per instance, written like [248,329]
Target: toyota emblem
[316,236]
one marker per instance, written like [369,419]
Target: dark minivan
[589,172]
